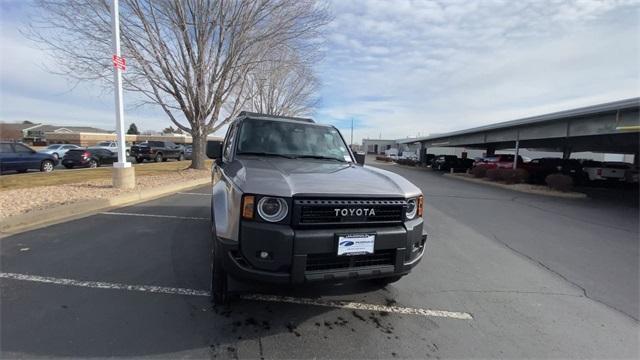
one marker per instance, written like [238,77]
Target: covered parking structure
[605,128]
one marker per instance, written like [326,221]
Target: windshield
[104,144]
[291,139]
[53,146]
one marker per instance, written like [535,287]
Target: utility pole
[352,133]
[123,175]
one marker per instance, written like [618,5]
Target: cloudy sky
[399,68]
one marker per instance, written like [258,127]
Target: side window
[5,149]
[170,144]
[21,149]
[228,146]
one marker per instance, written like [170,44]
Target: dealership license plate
[356,244]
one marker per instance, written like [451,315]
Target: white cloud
[451,65]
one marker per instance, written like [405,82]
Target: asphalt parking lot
[505,275]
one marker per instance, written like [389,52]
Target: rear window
[617,166]
[5,149]
[75,151]
[591,163]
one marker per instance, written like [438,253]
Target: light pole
[123,174]
[351,133]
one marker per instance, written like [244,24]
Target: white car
[111,146]
[612,170]
[58,150]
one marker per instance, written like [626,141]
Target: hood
[310,177]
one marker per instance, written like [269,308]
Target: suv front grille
[347,211]
[319,262]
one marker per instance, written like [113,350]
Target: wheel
[139,160]
[219,284]
[69,166]
[93,163]
[181,157]
[46,166]
[386,280]
[158,158]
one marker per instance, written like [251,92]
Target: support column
[515,157]
[566,152]
[491,150]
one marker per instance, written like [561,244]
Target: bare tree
[192,58]
[283,85]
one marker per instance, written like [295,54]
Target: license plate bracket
[356,244]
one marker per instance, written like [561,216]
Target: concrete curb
[45,217]
[569,195]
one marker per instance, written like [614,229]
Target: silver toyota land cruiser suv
[292,204]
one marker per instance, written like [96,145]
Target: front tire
[181,157]
[46,166]
[158,158]
[219,283]
[93,164]
[139,160]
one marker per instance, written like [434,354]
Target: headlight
[272,209]
[414,208]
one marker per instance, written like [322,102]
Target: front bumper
[310,255]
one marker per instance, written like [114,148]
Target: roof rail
[255,115]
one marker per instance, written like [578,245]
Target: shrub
[511,176]
[479,172]
[408,162]
[494,174]
[559,182]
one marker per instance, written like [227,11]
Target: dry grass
[64,177]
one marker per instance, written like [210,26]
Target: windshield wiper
[320,157]
[262,153]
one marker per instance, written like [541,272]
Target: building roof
[583,111]
[56,128]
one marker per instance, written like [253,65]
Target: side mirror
[214,149]
[359,158]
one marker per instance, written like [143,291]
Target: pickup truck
[157,151]
[607,170]
[291,204]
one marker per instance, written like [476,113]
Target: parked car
[444,162]
[539,169]
[157,151]
[428,158]
[631,176]
[504,161]
[111,146]
[58,150]
[292,205]
[606,170]
[188,152]
[21,158]
[88,158]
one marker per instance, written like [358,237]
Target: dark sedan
[21,158]
[88,158]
